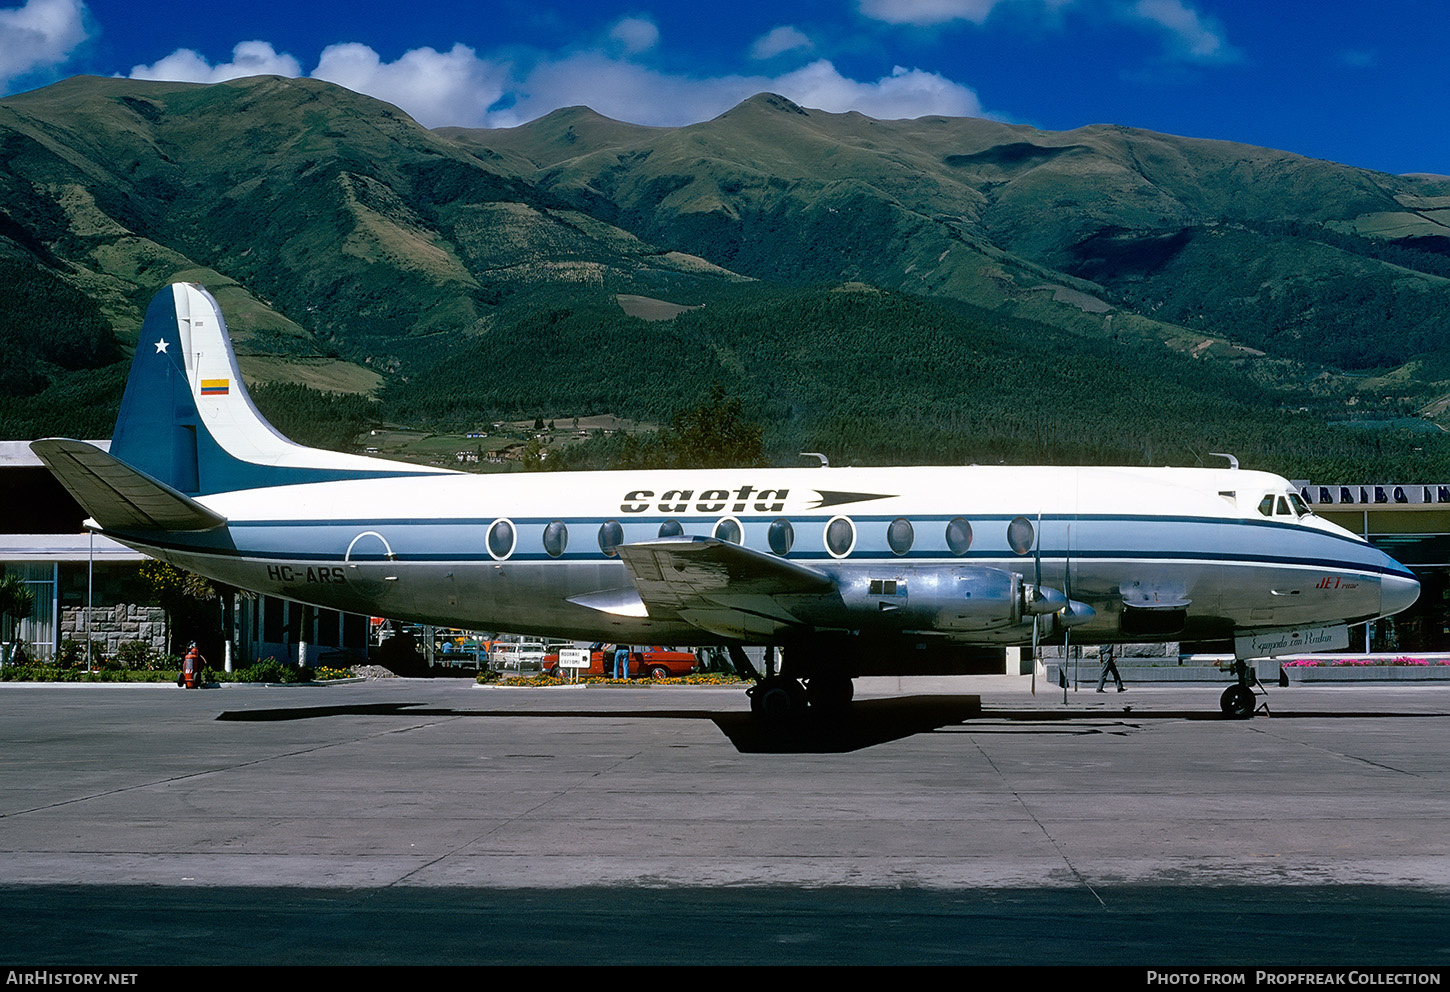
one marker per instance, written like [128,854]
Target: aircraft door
[370,568]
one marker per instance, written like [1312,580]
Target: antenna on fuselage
[1233,462]
[825,462]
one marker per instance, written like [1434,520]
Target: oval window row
[840,536]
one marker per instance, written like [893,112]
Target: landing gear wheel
[1237,702]
[777,700]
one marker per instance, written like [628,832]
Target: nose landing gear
[1239,701]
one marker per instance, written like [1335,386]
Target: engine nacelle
[948,598]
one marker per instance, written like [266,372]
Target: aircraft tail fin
[188,422]
[118,496]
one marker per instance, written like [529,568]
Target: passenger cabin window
[959,536]
[556,538]
[781,537]
[611,536]
[840,537]
[899,536]
[671,528]
[501,539]
[728,530]
[1021,535]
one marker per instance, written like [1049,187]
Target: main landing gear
[779,699]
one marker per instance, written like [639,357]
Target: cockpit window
[1289,504]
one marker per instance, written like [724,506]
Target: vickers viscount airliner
[848,571]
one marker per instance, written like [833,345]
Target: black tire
[1237,702]
[778,701]
[659,673]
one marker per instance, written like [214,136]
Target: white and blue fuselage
[971,555]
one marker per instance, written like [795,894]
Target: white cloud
[627,91]
[624,90]
[924,13]
[249,58]
[435,88]
[39,36]
[636,34]
[777,41]
[906,93]
[1190,35]
[459,87]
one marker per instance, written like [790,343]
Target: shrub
[268,670]
[136,655]
[73,655]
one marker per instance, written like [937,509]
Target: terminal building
[78,579]
[1411,523]
[88,583]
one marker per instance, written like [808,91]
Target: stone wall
[112,625]
[1163,652]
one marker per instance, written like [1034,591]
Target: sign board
[573,658]
[1291,640]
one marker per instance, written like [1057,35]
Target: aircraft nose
[1397,592]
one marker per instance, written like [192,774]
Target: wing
[721,587]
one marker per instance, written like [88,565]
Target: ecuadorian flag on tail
[215,387]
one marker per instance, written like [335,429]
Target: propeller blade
[1037,549]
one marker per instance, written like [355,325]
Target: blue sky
[1359,83]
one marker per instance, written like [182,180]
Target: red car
[653,661]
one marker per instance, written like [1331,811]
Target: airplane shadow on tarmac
[869,722]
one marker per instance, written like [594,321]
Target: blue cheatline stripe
[595,556]
[589,524]
[764,520]
[1157,539]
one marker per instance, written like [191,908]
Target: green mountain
[1262,248]
[889,290]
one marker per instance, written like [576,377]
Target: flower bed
[1403,661]
[1399,668]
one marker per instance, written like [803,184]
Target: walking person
[621,661]
[1105,655]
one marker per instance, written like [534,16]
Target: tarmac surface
[947,821]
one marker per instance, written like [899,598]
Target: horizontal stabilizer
[117,496]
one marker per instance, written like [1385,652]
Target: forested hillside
[886,291]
